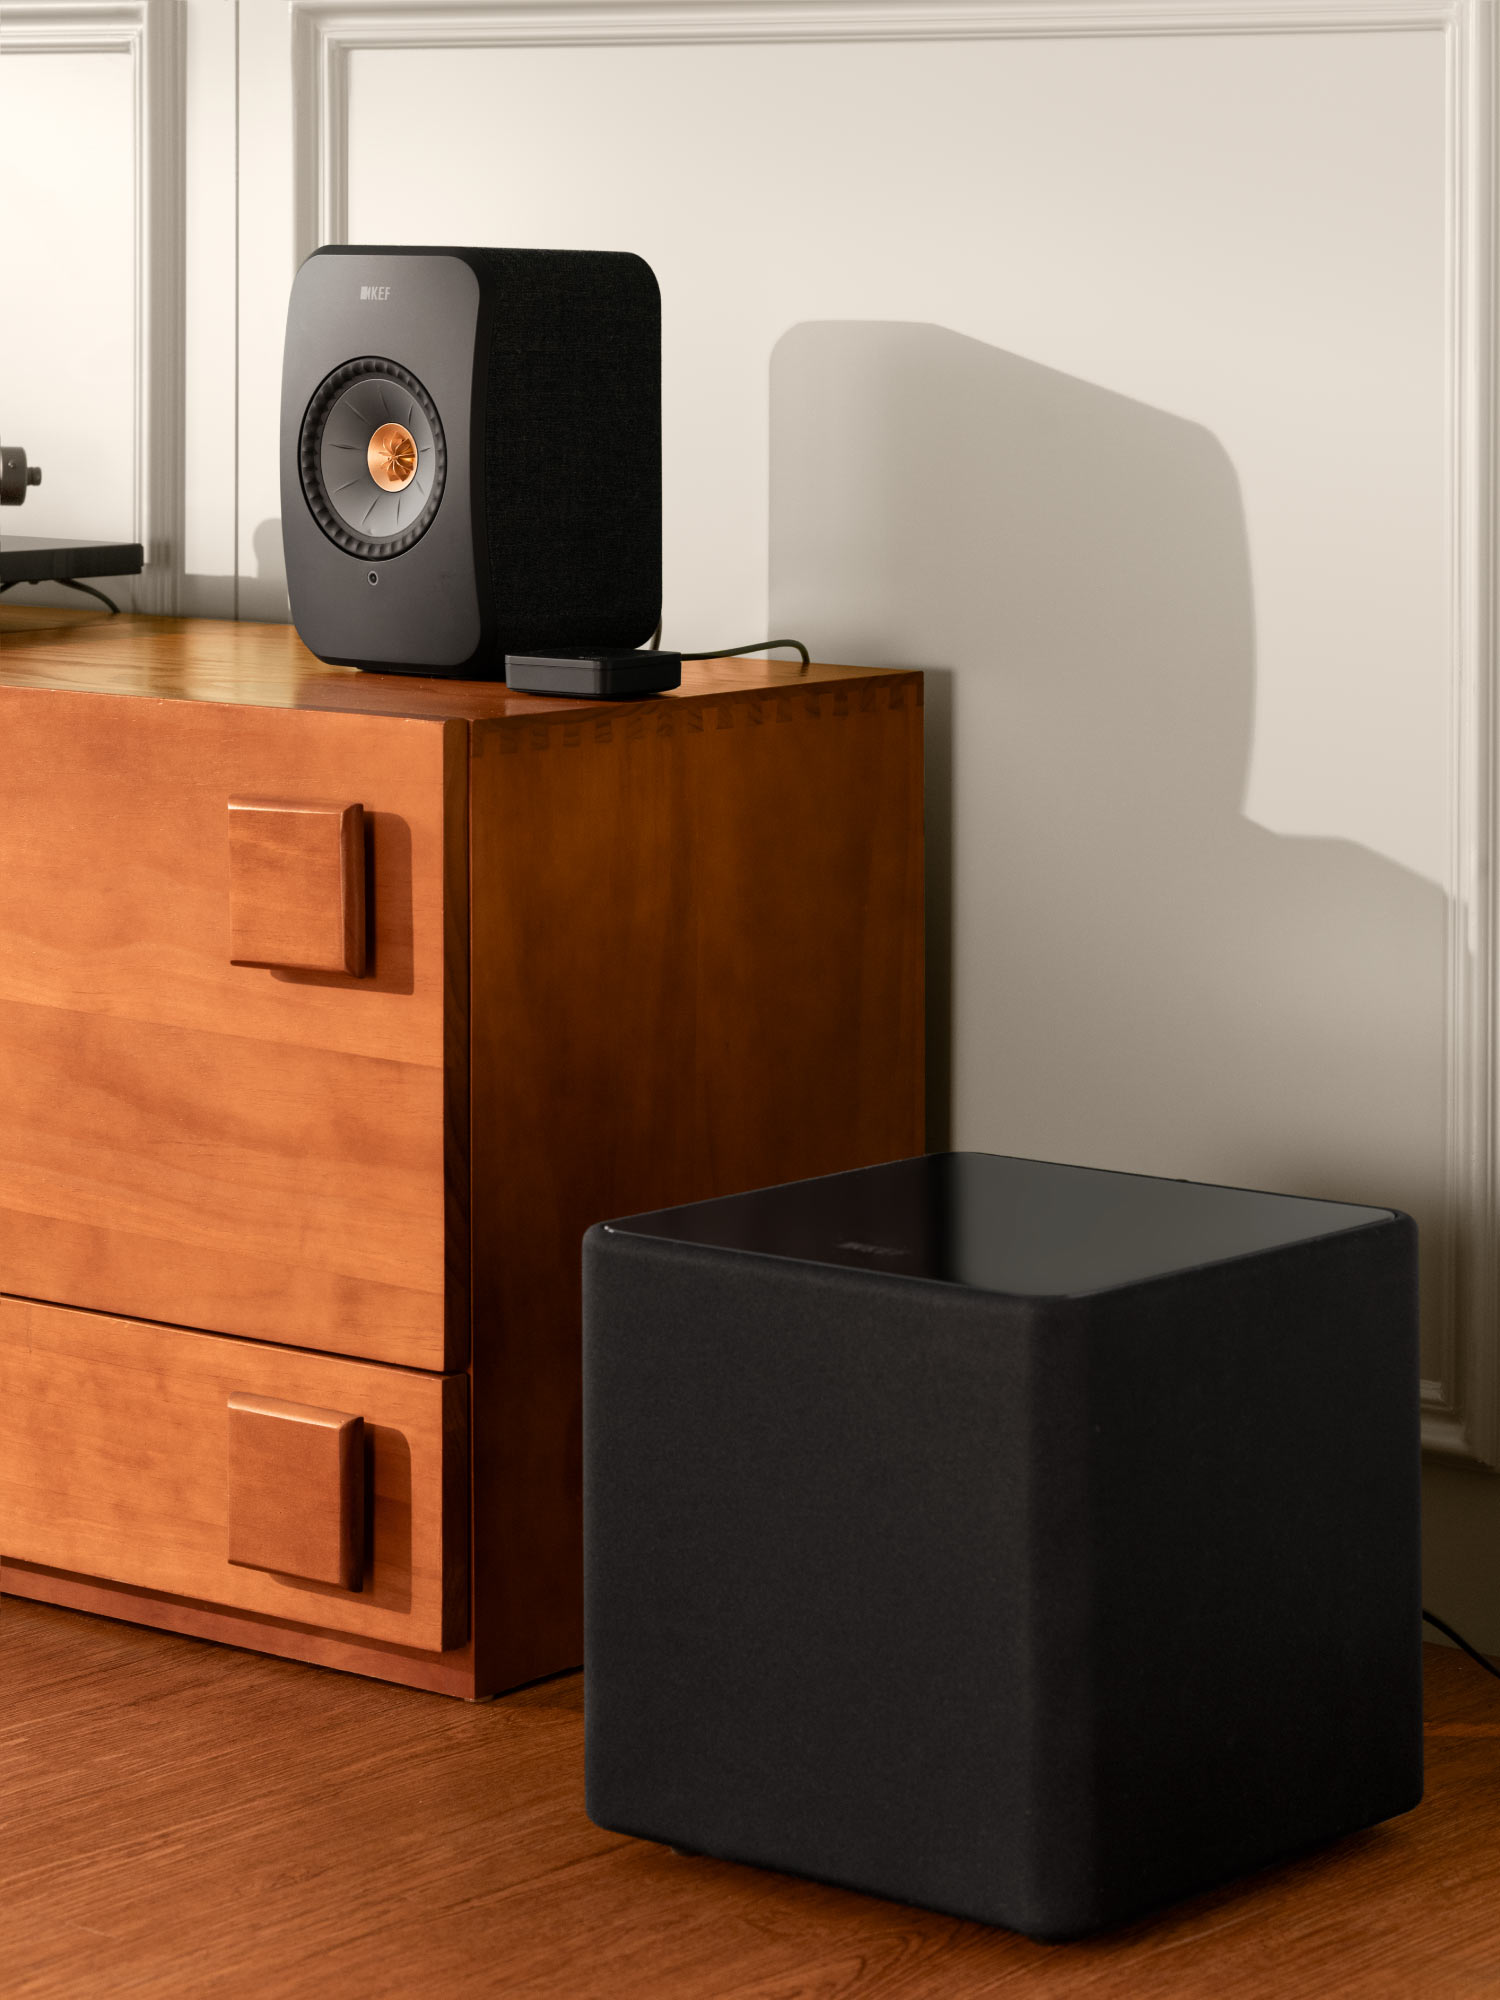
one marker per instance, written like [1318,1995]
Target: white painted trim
[58,27]
[150,33]
[481,23]
[325,33]
[1462,1406]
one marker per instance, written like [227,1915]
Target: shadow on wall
[260,598]
[1125,971]
[263,597]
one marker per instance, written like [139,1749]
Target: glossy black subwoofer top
[996,1224]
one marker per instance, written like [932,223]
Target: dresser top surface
[267,666]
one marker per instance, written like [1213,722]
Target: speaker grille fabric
[572,448]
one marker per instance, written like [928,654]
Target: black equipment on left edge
[471,456]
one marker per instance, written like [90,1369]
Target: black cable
[68,583]
[760,646]
[1463,1644]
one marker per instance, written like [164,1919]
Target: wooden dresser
[333,1008]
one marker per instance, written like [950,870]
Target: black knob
[16,475]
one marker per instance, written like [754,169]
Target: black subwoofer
[1035,1543]
[471,455]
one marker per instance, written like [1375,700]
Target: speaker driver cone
[372,457]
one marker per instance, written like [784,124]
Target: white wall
[1118,379]
[68,359]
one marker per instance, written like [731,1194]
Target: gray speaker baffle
[372,457]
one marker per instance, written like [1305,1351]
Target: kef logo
[374,291]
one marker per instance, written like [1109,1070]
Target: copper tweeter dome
[392,457]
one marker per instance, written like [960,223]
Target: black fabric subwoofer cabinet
[1034,1543]
[471,455]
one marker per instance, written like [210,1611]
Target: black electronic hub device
[605,676]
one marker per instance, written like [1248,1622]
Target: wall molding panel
[151,34]
[1462,1400]
[1463,1406]
[1462,1403]
[326,33]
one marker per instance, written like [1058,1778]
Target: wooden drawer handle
[297,885]
[296,1490]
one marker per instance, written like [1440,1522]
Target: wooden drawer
[267,1149]
[115,1462]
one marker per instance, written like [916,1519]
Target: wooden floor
[180,1818]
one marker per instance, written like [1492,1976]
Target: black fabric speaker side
[1255,1446]
[492,640]
[568,474]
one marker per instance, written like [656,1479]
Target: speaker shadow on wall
[263,597]
[1124,971]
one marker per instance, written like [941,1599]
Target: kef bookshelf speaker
[471,455]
